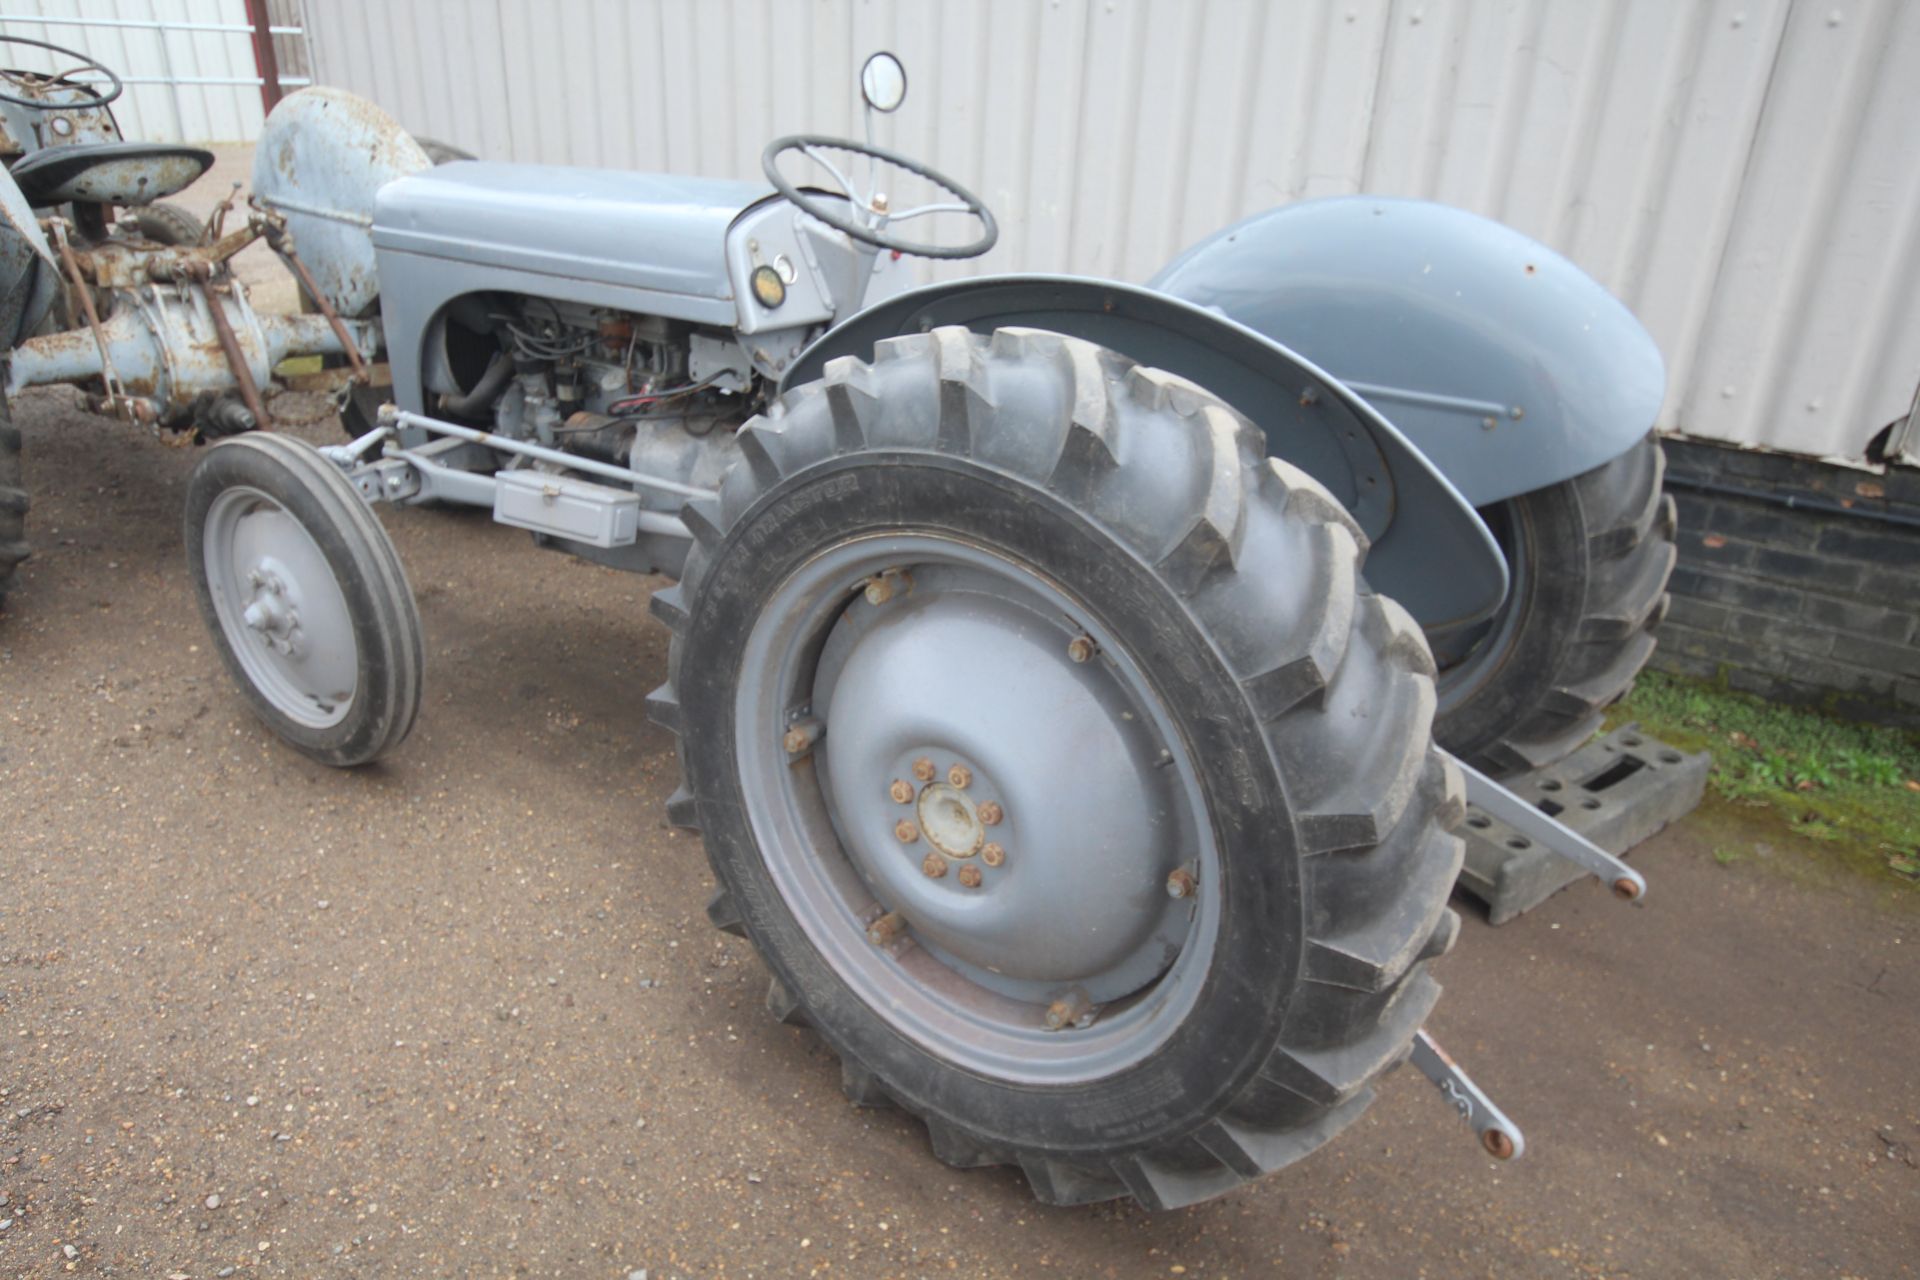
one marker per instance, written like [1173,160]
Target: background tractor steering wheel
[868,217]
[31,79]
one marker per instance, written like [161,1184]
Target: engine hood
[653,231]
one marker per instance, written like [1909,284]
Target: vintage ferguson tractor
[1047,737]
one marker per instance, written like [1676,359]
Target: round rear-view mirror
[883,82]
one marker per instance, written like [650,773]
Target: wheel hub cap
[1050,749]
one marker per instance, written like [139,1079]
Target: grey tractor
[1075,683]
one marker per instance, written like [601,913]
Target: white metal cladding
[184,111]
[1742,172]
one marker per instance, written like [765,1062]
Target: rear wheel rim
[1072,770]
[281,608]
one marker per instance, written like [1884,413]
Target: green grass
[1854,787]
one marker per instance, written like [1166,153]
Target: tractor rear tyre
[13,499]
[1048,746]
[165,224]
[305,598]
[1589,560]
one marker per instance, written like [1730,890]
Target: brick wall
[1797,580]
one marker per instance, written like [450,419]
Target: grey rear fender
[1430,550]
[1503,362]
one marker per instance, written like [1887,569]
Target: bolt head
[1625,888]
[960,776]
[993,855]
[934,866]
[970,876]
[1181,884]
[901,792]
[1080,648]
[879,591]
[795,741]
[990,814]
[923,769]
[1059,1014]
[905,832]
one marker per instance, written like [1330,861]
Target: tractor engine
[659,396]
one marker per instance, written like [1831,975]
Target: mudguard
[1503,362]
[322,156]
[1430,550]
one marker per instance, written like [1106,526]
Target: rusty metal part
[990,813]
[1625,888]
[960,776]
[905,832]
[116,394]
[923,769]
[887,584]
[886,928]
[1080,648]
[901,792]
[802,735]
[970,876]
[1070,1010]
[378,375]
[281,242]
[236,359]
[1498,1144]
[933,866]
[1181,883]
[993,854]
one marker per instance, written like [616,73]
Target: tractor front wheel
[1048,746]
[305,598]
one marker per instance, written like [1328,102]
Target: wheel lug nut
[1080,648]
[960,776]
[886,928]
[905,832]
[933,866]
[902,792]
[1181,884]
[990,814]
[993,855]
[923,769]
[970,876]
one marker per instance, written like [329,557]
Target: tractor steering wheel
[868,217]
[33,79]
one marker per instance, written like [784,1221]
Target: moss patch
[1852,788]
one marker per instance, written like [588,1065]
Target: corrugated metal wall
[1742,173]
[179,112]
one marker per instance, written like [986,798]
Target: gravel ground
[460,1013]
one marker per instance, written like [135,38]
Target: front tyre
[1589,560]
[1048,747]
[305,598]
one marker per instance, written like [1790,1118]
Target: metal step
[1617,791]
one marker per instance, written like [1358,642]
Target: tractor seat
[109,172]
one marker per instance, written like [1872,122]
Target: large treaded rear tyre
[1299,703]
[1589,558]
[13,500]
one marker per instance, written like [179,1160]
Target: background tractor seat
[125,173]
